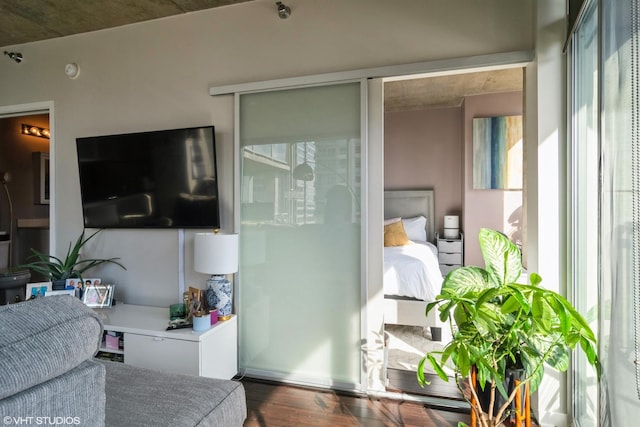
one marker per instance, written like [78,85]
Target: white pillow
[415,228]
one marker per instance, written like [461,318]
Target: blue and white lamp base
[219,296]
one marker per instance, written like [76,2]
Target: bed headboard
[410,203]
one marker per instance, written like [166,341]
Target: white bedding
[412,271]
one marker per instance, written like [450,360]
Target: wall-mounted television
[157,179]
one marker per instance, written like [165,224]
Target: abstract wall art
[497,153]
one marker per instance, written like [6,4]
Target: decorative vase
[219,296]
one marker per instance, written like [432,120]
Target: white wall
[546,169]
[156,75]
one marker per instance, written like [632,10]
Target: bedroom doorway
[428,146]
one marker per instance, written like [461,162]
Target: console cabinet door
[163,354]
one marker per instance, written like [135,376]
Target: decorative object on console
[37,290]
[177,311]
[451,226]
[217,254]
[98,296]
[201,321]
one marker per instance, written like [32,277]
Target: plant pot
[484,396]
[59,285]
[486,419]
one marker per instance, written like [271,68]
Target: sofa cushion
[143,397]
[73,398]
[44,338]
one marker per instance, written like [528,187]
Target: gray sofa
[47,370]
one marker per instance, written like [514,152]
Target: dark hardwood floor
[271,404]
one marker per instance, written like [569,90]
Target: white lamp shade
[216,253]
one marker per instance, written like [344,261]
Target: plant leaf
[502,258]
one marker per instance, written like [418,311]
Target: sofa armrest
[44,338]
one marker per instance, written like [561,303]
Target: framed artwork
[98,295]
[37,290]
[497,153]
[41,178]
[81,283]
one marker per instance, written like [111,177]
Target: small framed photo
[81,283]
[98,295]
[37,290]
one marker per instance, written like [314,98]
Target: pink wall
[423,150]
[433,148]
[497,209]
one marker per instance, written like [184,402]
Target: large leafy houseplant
[71,266]
[500,325]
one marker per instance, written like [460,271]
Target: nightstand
[450,253]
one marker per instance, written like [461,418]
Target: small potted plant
[503,328]
[59,270]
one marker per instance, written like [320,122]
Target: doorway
[428,145]
[25,198]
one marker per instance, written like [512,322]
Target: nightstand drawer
[450,246]
[447,258]
[446,268]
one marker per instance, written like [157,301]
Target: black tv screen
[158,179]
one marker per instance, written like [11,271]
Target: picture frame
[41,179]
[82,283]
[98,296]
[37,290]
[498,146]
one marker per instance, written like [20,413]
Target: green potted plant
[71,266]
[501,327]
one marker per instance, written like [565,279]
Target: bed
[412,276]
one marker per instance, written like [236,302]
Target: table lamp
[217,254]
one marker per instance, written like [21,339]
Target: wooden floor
[271,404]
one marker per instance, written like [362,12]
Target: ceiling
[448,91]
[24,21]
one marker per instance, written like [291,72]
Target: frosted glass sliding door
[300,263]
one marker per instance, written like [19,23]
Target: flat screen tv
[158,179]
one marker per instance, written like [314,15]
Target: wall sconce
[35,131]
